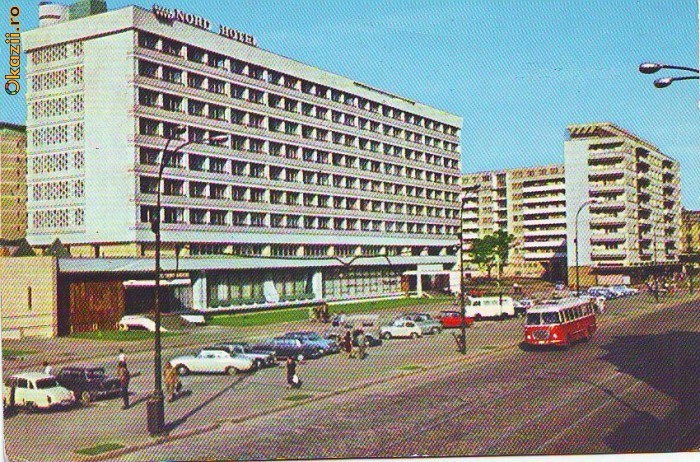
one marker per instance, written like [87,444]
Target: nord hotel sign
[168,15]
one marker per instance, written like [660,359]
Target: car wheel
[231,370]
[504,316]
[477,317]
[182,370]
[86,397]
[386,335]
[414,335]
[436,330]
[30,407]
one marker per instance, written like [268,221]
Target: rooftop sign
[168,15]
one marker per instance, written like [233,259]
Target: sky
[517,71]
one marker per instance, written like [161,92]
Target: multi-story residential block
[268,156]
[528,203]
[13,187]
[690,231]
[632,192]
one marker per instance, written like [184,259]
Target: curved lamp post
[462,308]
[578,212]
[154,407]
[652,68]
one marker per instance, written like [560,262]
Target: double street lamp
[652,68]
[155,413]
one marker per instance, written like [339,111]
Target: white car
[136,322]
[36,390]
[213,360]
[401,328]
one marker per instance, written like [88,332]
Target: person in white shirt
[122,356]
[47,368]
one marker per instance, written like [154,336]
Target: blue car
[327,346]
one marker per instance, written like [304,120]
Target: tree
[492,251]
[57,249]
[481,254]
[24,249]
[501,243]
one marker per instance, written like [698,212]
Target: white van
[489,307]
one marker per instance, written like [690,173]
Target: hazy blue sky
[517,71]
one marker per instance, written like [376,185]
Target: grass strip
[121,335]
[390,304]
[99,449]
[299,397]
[411,367]
[7,352]
[260,318]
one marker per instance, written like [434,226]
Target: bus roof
[557,305]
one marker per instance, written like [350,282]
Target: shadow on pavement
[670,363]
[170,426]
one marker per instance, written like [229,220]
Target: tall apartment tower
[632,215]
[13,181]
[528,203]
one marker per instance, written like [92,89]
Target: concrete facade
[633,189]
[528,203]
[690,231]
[13,187]
[29,296]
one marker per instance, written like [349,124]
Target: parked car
[426,322]
[521,306]
[88,383]
[137,322]
[624,290]
[261,358]
[559,285]
[601,292]
[401,328]
[286,347]
[326,346]
[450,319]
[490,307]
[213,360]
[35,390]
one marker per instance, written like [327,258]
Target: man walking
[292,378]
[347,343]
[170,377]
[122,357]
[47,368]
[361,344]
[124,377]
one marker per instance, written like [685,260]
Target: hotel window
[149,41]
[336,116]
[172,75]
[237,67]
[149,127]
[172,48]
[322,157]
[195,81]
[148,97]
[217,112]
[257,170]
[338,203]
[307,109]
[351,223]
[307,132]
[274,78]
[173,187]
[307,87]
[337,224]
[148,69]
[256,121]
[349,100]
[323,179]
[292,175]
[217,60]
[195,54]
[276,197]
[217,165]
[291,105]
[173,215]
[276,220]
[257,219]
[293,221]
[217,217]
[238,168]
[308,155]
[323,201]
[256,72]
[291,128]
[147,213]
[237,117]
[198,189]
[291,152]
[350,140]
[336,96]
[217,86]
[257,195]
[337,138]
[237,193]
[308,178]
[238,142]
[172,103]
[321,135]
[148,156]
[198,216]
[321,113]
[239,219]
[218,138]
[275,149]
[173,160]
[196,135]
[257,146]
[290,82]
[256,96]
[198,163]
[275,124]
[309,223]
[276,173]
[237,91]
[148,185]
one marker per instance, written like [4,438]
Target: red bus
[560,322]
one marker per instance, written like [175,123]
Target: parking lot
[212,399]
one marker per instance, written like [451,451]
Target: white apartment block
[634,216]
[528,203]
[314,164]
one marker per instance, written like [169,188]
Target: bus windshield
[550,318]
[533,319]
[537,319]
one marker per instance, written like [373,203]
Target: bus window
[578,312]
[533,319]
[550,318]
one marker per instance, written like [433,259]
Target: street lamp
[578,212]
[155,414]
[652,68]
[463,313]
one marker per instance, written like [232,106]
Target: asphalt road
[634,388]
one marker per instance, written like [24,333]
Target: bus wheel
[567,344]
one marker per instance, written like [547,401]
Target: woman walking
[292,377]
[347,343]
[170,377]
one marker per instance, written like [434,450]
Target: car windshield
[46,383]
[95,373]
[314,336]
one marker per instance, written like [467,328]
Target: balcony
[599,173]
[609,205]
[543,255]
[547,221]
[608,237]
[545,200]
[612,221]
[608,254]
[597,189]
[543,188]
[558,243]
[537,211]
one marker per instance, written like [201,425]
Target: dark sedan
[290,347]
[88,383]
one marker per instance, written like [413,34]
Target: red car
[450,319]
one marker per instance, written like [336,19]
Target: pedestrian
[124,377]
[292,377]
[347,343]
[171,380]
[361,344]
[122,357]
[47,368]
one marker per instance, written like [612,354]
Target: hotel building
[690,231]
[286,160]
[528,203]
[633,216]
[13,187]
